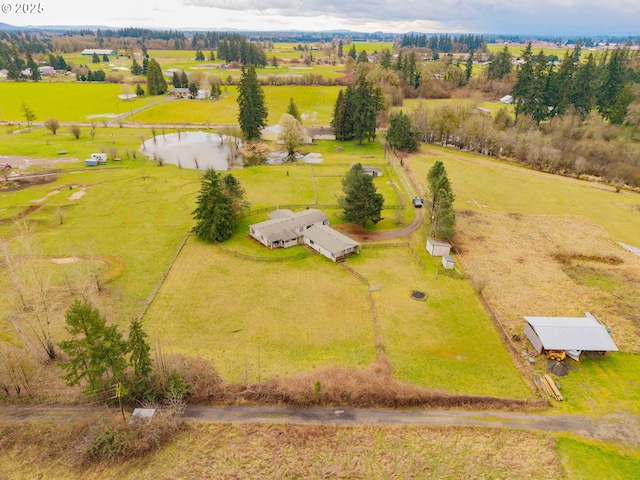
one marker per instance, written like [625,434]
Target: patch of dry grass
[307,451]
[543,265]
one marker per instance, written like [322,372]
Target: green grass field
[484,184]
[314,103]
[74,102]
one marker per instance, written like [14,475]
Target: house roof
[283,228]
[372,170]
[330,239]
[572,333]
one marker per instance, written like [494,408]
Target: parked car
[417,202]
[6,165]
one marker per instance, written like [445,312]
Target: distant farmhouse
[98,51]
[286,228]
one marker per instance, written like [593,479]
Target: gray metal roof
[284,228]
[572,333]
[330,239]
[438,243]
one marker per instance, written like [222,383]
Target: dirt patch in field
[552,266]
[25,180]
[19,161]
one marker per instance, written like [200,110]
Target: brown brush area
[542,265]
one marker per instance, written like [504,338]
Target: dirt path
[611,428]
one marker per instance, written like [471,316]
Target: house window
[311,242]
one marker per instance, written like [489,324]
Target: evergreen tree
[220,205]
[215,90]
[523,90]
[139,90]
[468,67]
[385,59]
[139,349]
[361,201]
[105,58]
[342,121]
[352,52]
[363,57]
[145,64]
[614,78]
[400,134]
[212,56]
[175,80]
[367,104]
[499,64]
[253,112]
[199,56]
[274,62]
[340,49]
[96,351]
[95,58]
[184,80]
[443,217]
[193,90]
[582,93]
[293,110]
[136,69]
[156,84]
[33,66]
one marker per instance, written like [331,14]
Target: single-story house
[448,262]
[180,92]
[373,171]
[571,334]
[438,248]
[329,242]
[285,227]
[47,70]
[99,51]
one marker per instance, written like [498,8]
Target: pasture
[74,102]
[539,244]
[314,103]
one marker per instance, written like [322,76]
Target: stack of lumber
[548,386]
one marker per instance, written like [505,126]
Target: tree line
[445,43]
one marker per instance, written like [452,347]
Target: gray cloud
[491,16]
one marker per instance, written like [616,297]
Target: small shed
[373,171]
[448,262]
[571,334]
[438,248]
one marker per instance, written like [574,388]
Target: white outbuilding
[438,248]
[448,262]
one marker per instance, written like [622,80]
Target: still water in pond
[191,149]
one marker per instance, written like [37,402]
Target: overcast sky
[561,17]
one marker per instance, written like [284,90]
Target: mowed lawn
[314,103]
[67,102]
[256,320]
[446,342]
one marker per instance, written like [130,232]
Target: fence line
[156,289]
[350,270]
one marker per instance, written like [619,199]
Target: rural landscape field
[546,223]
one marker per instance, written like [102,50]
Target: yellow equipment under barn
[558,355]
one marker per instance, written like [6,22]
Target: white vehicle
[101,158]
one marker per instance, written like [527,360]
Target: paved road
[619,428]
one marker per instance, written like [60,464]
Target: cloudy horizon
[543,17]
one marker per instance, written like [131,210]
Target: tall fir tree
[253,112]
[443,216]
[156,84]
[368,102]
[293,110]
[360,201]
[138,348]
